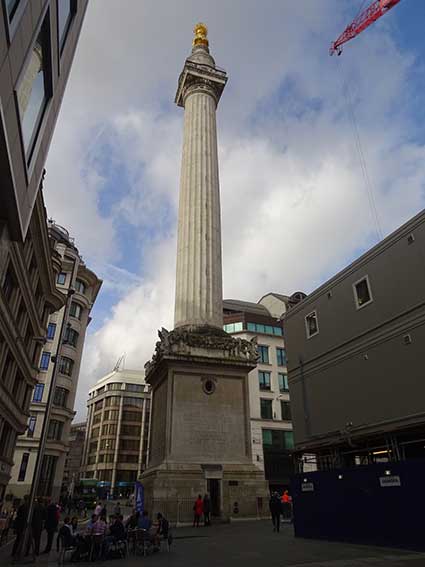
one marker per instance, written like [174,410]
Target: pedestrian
[37,524]
[287,506]
[275,510]
[207,510]
[198,509]
[51,524]
[98,509]
[117,509]
[19,525]
[82,508]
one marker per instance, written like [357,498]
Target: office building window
[134,388]
[286,410]
[115,386]
[55,430]
[60,397]
[276,439]
[75,310]
[266,409]
[281,356]
[264,329]
[362,292]
[38,393]
[263,351]
[283,382]
[137,402]
[35,89]
[264,380]
[112,401]
[311,324]
[66,365]
[61,279]
[66,10]
[51,330]
[80,286]
[31,425]
[44,362]
[71,337]
[23,467]
[233,327]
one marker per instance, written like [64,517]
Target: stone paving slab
[254,544]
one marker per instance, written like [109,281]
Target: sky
[295,203]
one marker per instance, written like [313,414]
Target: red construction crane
[361,22]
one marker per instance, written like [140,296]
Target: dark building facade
[357,391]
[37,44]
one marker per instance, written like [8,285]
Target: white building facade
[269,400]
[74,275]
[117,436]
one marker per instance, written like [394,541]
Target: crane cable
[362,160]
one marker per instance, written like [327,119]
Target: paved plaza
[249,544]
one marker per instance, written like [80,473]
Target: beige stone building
[270,411]
[37,45]
[117,437]
[74,458]
[76,275]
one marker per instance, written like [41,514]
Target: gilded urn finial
[200,31]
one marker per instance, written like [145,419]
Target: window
[137,402]
[134,388]
[44,362]
[60,397]
[34,89]
[276,439]
[95,432]
[263,351]
[55,430]
[80,286]
[31,425]
[97,419]
[66,365]
[362,292]
[23,467]
[111,415]
[93,447]
[286,410]
[71,337]
[266,409]
[264,329]
[132,430]
[11,6]
[51,329]
[233,327]
[61,279]
[75,310]
[107,444]
[115,386]
[66,9]
[112,401]
[264,380]
[129,444]
[283,382]
[98,405]
[9,283]
[38,393]
[131,416]
[311,324]
[281,356]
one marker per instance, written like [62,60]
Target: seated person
[162,530]
[90,524]
[65,539]
[144,521]
[117,529]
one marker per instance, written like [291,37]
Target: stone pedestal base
[236,491]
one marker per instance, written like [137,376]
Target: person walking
[117,509]
[275,510]
[287,506]
[207,510]
[19,525]
[198,510]
[37,524]
[98,509]
[51,524]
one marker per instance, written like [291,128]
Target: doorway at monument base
[200,440]
[236,491]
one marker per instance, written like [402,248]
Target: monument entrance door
[213,486]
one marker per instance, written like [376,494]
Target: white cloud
[294,203]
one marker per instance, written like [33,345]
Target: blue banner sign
[140,496]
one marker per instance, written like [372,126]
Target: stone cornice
[199,78]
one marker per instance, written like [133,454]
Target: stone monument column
[200,438]
[199,293]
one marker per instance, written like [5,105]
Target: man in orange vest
[286,506]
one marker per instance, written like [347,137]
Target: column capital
[197,77]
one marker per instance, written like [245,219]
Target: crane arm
[369,15]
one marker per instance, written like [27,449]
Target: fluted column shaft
[199,273]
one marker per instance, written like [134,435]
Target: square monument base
[236,491]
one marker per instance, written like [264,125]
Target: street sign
[393,480]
